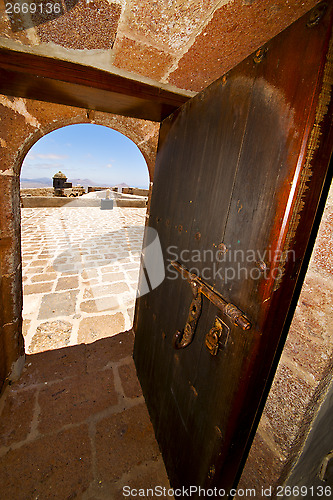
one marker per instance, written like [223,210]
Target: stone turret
[59,180]
[59,184]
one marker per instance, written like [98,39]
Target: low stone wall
[136,191]
[125,190]
[43,201]
[132,203]
[48,191]
[94,189]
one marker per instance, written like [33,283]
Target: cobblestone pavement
[75,426]
[79,264]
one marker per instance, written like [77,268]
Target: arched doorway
[80,264]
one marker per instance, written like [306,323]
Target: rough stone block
[56,466]
[147,476]
[87,275]
[11,296]
[322,257]
[67,283]
[43,277]
[97,327]
[286,406]
[165,25]
[129,380]
[12,26]
[85,25]
[50,115]
[58,304]
[141,58]
[262,468]
[108,350]
[221,44]
[37,288]
[113,277]
[52,365]
[16,125]
[25,326]
[130,430]
[51,335]
[314,314]
[38,262]
[16,417]
[34,270]
[99,305]
[75,399]
[13,348]
[311,356]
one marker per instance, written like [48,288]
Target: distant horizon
[89,152]
[39,182]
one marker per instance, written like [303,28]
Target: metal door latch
[217,337]
[199,288]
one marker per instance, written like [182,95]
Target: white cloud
[44,166]
[53,159]
[51,156]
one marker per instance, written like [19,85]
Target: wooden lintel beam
[53,80]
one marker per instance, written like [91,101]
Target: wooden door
[239,172]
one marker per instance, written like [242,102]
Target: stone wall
[22,123]
[136,191]
[27,192]
[11,340]
[184,43]
[44,201]
[303,375]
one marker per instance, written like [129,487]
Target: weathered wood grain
[231,168]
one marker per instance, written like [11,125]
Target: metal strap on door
[213,339]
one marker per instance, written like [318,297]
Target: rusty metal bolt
[316,15]
[262,266]
[260,55]
[222,248]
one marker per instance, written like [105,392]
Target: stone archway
[23,122]
[80,265]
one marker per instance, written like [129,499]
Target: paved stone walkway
[79,264]
[75,426]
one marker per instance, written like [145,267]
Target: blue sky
[87,151]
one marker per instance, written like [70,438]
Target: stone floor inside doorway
[79,265]
[75,425]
